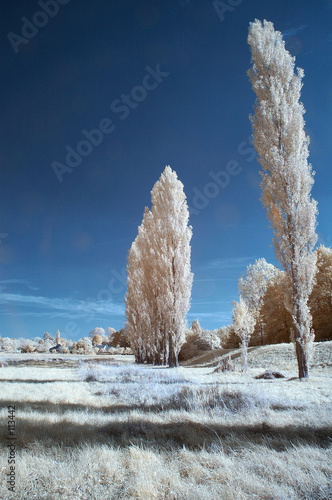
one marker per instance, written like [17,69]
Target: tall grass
[115,431]
[142,386]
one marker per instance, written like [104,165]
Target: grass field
[104,428]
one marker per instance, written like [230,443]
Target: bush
[225,365]
[83,346]
[198,341]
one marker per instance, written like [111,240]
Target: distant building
[56,348]
[57,338]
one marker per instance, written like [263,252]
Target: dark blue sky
[143,85]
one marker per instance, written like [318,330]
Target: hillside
[275,356]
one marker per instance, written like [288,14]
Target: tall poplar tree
[287,178]
[159,278]
[244,324]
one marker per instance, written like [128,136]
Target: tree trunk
[262,336]
[301,355]
[302,361]
[164,349]
[172,357]
[244,354]
[157,359]
[139,357]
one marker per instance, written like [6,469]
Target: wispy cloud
[56,307]
[220,316]
[229,263]
[293,31]
[14,281]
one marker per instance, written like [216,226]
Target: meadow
[102,427]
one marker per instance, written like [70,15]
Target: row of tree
[159,277]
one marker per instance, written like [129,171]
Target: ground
[101,427]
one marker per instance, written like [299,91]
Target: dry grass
[95,431]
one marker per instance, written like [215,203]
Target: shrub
[198,340]
[225,365]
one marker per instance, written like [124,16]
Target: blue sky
[95,102]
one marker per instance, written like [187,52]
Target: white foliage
[244,324]
[84,346]
[9,344]
[109,331]
[253,285]
[46,346]
[211,338]
[26,345]
[287,178]
[97,331]
[159,277]
[196,327]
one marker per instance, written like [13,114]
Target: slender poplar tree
[135,299]
[244,324]
[287,178]
[159,278]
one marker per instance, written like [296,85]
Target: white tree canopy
[159,276]
[244,324]
[287,177]
[253,284]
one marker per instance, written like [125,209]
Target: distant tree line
[99,341]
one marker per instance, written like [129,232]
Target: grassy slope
[275,356]
[203,435]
